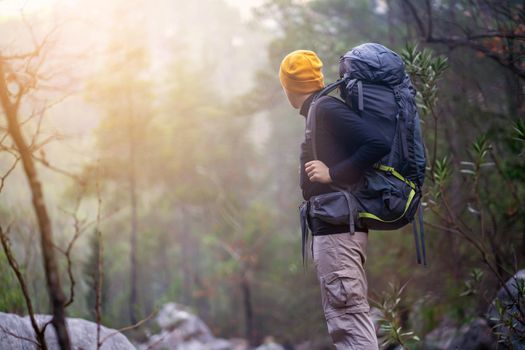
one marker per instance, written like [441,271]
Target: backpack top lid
[373,63]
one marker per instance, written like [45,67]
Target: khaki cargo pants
[339,260]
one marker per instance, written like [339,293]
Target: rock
[269,344]
[175,318]
[319,344]
[239,344]
[494,317]
[475,336]
[83,334]
[441,337]
[182,330]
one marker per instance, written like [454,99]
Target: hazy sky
[12,7]
[245,6]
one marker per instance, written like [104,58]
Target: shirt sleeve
[309,188]
[369,144]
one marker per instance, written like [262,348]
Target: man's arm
[310,187]
[370,142]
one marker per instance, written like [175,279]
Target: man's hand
[318,172]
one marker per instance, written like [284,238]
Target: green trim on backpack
[372,216]
[389,169]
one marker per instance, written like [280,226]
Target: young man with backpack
[362,166]
[346,147]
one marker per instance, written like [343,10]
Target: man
[346,146]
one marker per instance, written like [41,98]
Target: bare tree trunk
[248,309]
[54,287]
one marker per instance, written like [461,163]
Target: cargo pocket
[344,289]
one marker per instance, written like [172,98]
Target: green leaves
[480,148]
[391,331]
[473,283]
[508,320]
[426,70]
[519,132]
[442,171]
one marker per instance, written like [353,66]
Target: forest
[149,174]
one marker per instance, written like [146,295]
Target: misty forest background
[162,140]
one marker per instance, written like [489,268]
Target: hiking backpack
[373,82]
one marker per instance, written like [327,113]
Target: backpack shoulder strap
[310,133]
[311,119]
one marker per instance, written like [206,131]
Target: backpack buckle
[397,95]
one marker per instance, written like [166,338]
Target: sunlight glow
[10,8]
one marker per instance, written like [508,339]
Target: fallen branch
[128,328]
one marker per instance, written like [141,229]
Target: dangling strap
[303,211]
[422,251]
[416,240]
[422,234]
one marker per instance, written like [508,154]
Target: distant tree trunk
[54,287]
[203,300]
[248,308]
[133,253]
[134,221]
[186,268]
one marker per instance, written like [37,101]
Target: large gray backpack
[373,82]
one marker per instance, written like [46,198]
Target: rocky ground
[182,330]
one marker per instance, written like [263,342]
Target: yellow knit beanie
[300,72]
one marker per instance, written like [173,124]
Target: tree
[21,73]
[493,28]
[123,93]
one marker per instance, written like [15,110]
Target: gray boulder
[182,330]
[475,336]
[442,337]
[269,344]
[83,334]
[508,304]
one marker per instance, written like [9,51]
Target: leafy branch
[391,328]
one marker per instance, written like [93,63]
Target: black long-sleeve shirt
[347,143]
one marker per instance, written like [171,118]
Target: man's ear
[296,100]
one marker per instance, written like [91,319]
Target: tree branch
[13,263]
